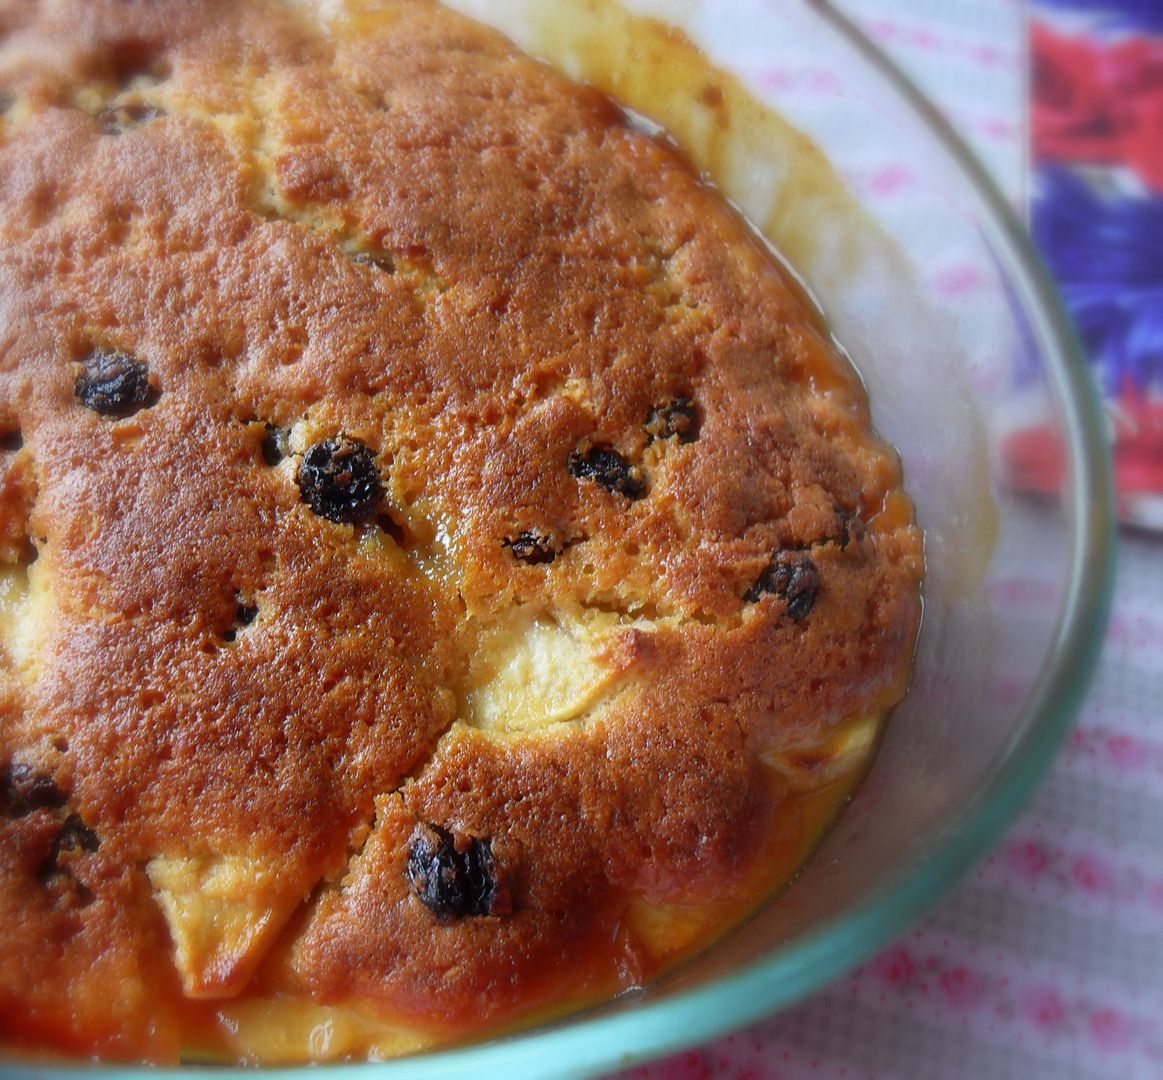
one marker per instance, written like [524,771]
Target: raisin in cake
[441,553]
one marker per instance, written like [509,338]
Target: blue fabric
[1117,14]
[1107,254]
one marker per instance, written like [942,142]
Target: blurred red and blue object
[1097,133]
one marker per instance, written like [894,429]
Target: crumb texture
[433,534]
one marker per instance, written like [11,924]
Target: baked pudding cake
[448,573]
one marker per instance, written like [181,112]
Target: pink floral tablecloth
[1048,960]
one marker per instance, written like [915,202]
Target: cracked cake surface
[440,553]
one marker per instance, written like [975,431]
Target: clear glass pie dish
[1016,589]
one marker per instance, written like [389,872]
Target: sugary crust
[540,276]
[78,965]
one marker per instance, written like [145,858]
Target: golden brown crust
[17,495]
[396,229]
[78,962]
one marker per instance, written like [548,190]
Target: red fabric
[1098,103]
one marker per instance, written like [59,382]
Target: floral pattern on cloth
[1098,103]
[1046,963]
[1097,135]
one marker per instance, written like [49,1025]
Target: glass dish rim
[584,1045]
